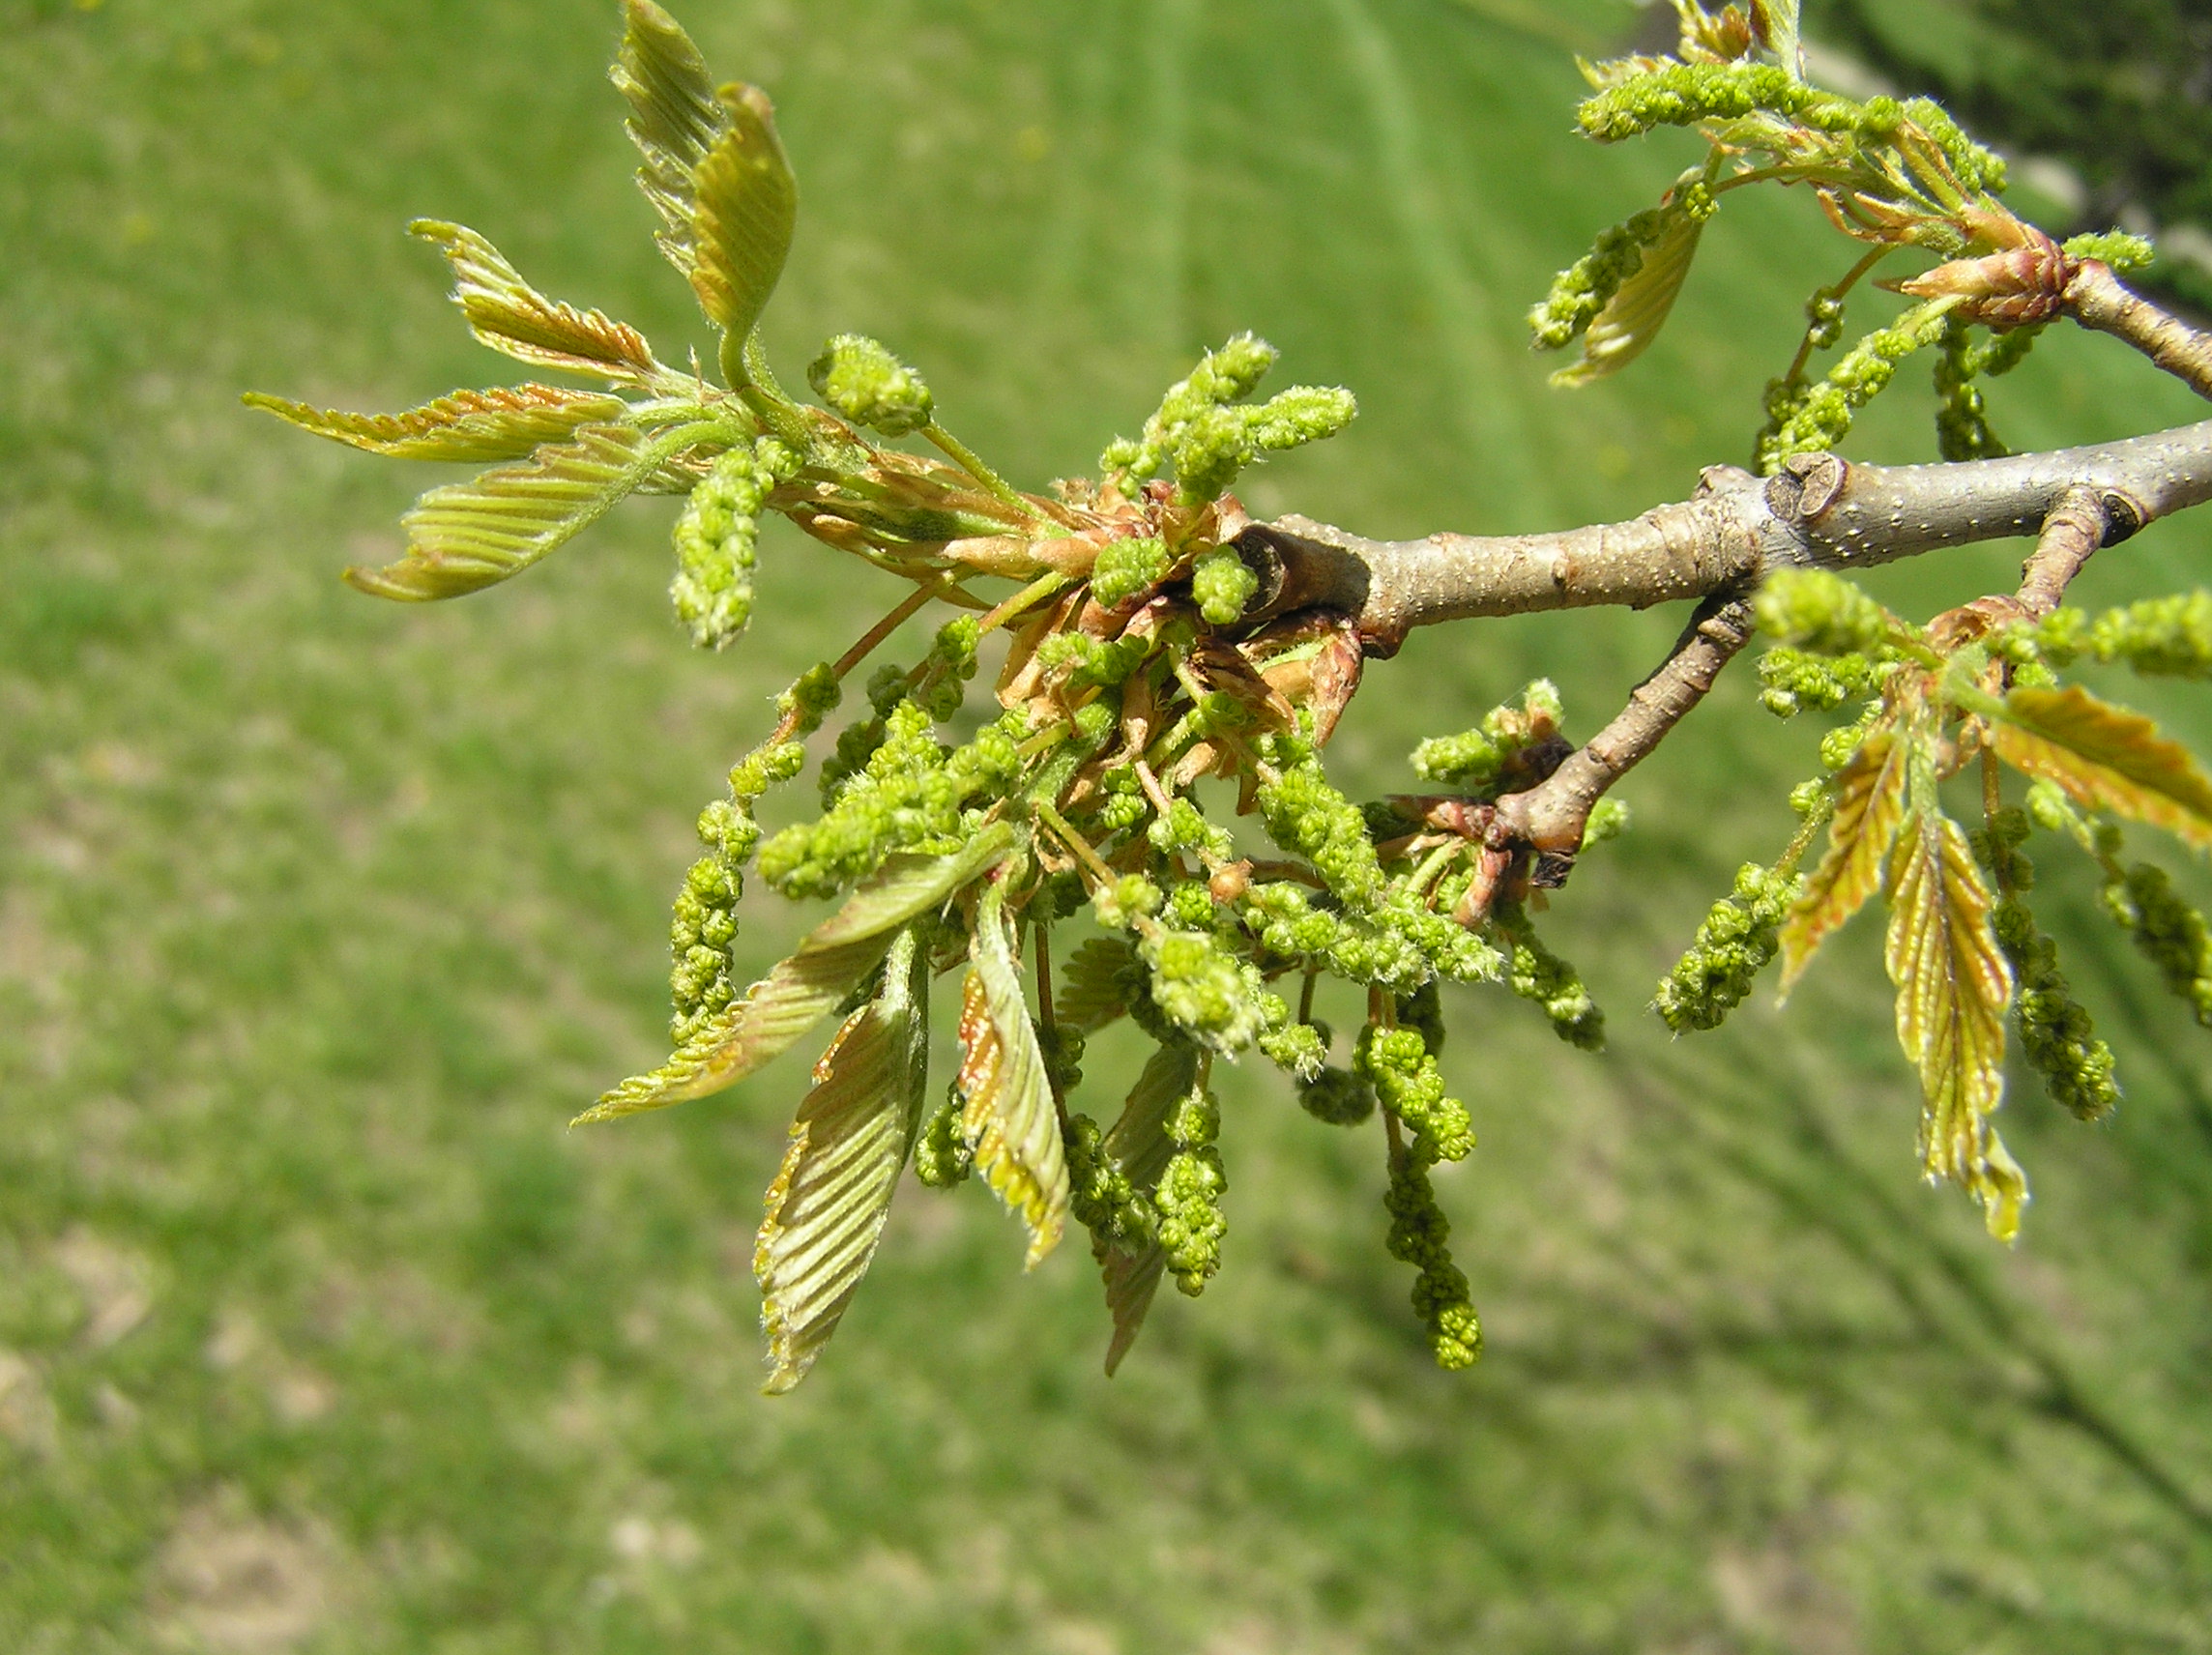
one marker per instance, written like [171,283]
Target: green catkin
[1189,1197]
[1338,1096]
[1799,680]
[1818,613]
[1737,941]
[2057,1034]
[943,1156]
[717,535]
[1962,417]
[2160,637]
[1420,1236]
[1206,439]
[870,387]
[1399,1065]
[1817,417]
[1401,1068]
[1221,585]
[1307,817]
[1582,291]
[1100,1193]
[1475,757]
[1128,567]
[2122,251]
[910,795]
[2169,933]
[1538,974]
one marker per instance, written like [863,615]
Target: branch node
[1806,486]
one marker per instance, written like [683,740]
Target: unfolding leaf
[1953,985]
[1869,804]
[506,314]
[2107,758]
[744,207]
[827,1207]
[1634,315]
[1094,989]
[468,536]
[1139,1144]
[1009,1118]
[675,117]
[1776,23]
[801,990]
[472,425]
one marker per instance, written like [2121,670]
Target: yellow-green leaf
[675,117]
[801,990]
[1953,986]
[506,314]
[2107,758]
[1634,315]
[468,536]
[1140,1146]
[745,204]
[468,425]
[1009,1118]
[1869,804]
[827,1207]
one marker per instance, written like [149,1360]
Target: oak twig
[1551,815]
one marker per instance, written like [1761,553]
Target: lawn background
[319,917]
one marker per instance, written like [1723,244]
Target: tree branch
[1820,512]
[1551,815]
[2097,299]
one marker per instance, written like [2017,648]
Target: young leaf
[1953,986]
[468,536]
[1870,806]
[1094,989]
[675,117]
[1009,1118]
[470,426]
[801,990]
[1139,1144]
[746,205]
[2107,758]
[1776,24]
[827,1208]
[1634,315]
[506,314]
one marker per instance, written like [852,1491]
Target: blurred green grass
[318,918]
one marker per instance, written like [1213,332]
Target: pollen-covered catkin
[2057,1034]
[717,535]
[1188,1195]
[1535,973]
[1734,944]
[2171,934]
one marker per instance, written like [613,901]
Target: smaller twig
[973,464]
[1551,815]
[908,608]
[1086,853]
[2098,299]
[2078,525]
[1037,589]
